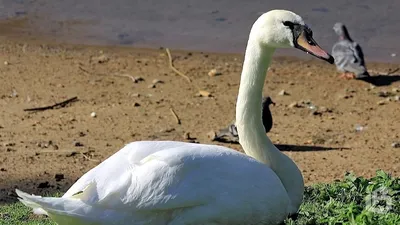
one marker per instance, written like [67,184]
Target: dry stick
[386,73]
[88,158]
[175,116]
[171,65]
[60,104]
[126,75]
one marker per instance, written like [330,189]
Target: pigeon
[230,133]
[349,57]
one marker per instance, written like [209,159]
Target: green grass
[342,202]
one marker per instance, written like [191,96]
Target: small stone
[283,92]
[372,86]
[397,98]
[93,114]
[156,81]
[203,93]
[136,104]
[102,59]
[151,86]
[138,79]
[396,145]
[383,94]
[6,63]
[213,73]
[3,170]
[294,105]
[78,144]
[382,102]
[14,93]
[59,177]
[211,135]
[135,95]
[395,90]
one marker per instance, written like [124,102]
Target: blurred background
[204,25]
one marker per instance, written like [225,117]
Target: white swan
[166,182]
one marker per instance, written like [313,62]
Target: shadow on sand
[381,80]
[291,148]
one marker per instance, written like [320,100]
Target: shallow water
[206,25]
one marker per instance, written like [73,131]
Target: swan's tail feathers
[61,210]
[31,201]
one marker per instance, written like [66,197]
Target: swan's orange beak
[306,43]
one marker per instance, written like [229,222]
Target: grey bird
[349,57]
[230,133]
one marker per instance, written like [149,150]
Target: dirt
[47,151]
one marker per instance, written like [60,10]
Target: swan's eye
[288,24]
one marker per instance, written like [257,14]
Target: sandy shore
[45,151]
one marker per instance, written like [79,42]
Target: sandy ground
[46,151]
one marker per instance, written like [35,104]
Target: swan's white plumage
[180,183]
[174,183]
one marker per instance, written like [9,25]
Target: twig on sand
[385,73]
[126,75]
[178,121]
[393,71]
[171,65]
[84,70]
[57,105]
[88,158]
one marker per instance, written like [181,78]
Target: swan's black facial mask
[303,40]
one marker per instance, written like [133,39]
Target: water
[207,25]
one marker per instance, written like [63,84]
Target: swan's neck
[248,108]
[249,123]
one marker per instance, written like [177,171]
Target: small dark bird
[231,132]
[349,57]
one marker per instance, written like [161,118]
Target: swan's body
[349,57]
[181,183]
[230,133]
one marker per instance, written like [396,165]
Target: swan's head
[284,29]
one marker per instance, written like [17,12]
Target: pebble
[211,135]
[138,79]
[397,98]
[294,105]
[213,73]
[283,92]
[102,59]
[136,104]
[202,93]
[135,95]
[396,144]
[383,94]
[395,90]
[6,63]
[382,102]
[151,86]
[78,144]
[93,114]
[156,81]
